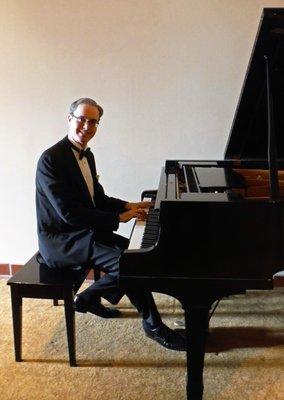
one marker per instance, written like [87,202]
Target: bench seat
[39,281]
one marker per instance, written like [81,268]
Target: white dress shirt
[85,169]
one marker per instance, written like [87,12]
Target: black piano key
[152,228]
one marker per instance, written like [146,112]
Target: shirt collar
[79,147]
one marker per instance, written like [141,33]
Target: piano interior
[221,177]
[257,183]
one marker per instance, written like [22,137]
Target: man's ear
[69,117]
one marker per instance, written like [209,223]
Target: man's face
[83,123]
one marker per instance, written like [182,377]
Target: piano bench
[35,280]
[278,279]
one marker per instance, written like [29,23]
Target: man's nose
[86,124]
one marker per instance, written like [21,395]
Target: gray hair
[86,100]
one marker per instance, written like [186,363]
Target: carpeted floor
[244,359]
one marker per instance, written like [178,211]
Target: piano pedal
[179,323]
[213,308]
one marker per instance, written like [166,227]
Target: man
[76,223]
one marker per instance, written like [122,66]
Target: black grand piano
[217,226]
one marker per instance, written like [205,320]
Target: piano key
[145,233]
[137,235]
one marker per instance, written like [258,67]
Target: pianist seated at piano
[76,221]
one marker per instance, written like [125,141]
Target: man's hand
[141,204]
[133,213]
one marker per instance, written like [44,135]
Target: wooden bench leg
[17,301]
[70,326]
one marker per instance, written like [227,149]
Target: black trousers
[106,259]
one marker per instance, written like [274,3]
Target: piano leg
[196,322]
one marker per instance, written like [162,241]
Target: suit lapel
[92,164]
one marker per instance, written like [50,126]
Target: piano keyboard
[145,233]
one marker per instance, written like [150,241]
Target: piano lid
[249,132]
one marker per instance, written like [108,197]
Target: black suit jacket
[68,222]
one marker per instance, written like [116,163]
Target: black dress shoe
[165,337]
[96,308]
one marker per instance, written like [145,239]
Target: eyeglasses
[83,120]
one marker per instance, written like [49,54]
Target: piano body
[217,226]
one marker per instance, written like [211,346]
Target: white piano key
[137,235]
[138,231]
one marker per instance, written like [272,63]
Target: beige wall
[167,72]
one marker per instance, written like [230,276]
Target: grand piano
[217,226]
